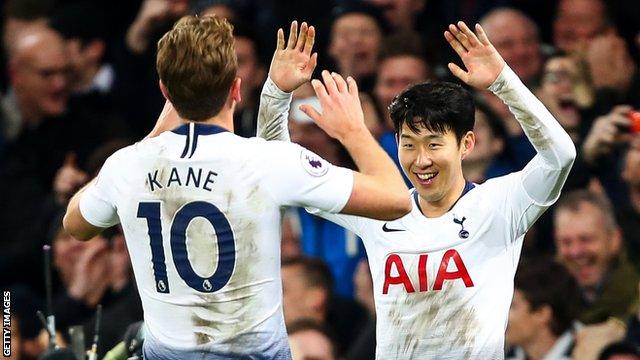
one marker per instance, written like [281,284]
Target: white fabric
[253,178]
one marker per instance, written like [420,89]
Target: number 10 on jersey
[178,243]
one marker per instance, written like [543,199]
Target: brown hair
[197,63]
[573,200]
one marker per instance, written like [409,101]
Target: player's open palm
[482,61]
[293,63]
[341,110]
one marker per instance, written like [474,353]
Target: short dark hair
[361,8]
[619,348]
[316,272]
[573,200]
[437,106]
[545,282]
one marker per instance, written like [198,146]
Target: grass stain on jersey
[440,321]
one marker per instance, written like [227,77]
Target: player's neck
[540,345]
[440,207]
[223,119]
[475,170]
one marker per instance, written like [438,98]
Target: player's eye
[434,145]
[407,146]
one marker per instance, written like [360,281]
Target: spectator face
[517,41]
[394,75]
[249,69]
[631,170]
[557,91]
[400,14]
[39,74]
[355,43]
[67,251]
[298,298]
[310,344]
[487,145]
[220,10]
[290,246]
[524,322]
[577,22]
[585,243]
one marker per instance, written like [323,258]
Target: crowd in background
[79,82]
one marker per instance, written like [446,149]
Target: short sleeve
[299,177]
[98,201]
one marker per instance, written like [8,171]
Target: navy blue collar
[199,129]
[468,185]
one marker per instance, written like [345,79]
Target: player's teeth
[426,176]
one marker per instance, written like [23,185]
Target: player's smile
[426,179]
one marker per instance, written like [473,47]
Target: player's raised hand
[480,58]
[341,110]
[293,63]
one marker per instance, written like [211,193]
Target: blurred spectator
[20,15]
[589,244]
[613,73]
[364,347]
[542,312]
[577,22]
[95,272]
[613,152]
[33,143]
[310,340]
[220,8]
[252,73]
[516,38]
[487,159]
[354,46]
[307,294]
[401,15]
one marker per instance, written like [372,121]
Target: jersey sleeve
[297,177]
[538,185]
[273,113]
[98,201]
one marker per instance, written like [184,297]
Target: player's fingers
[473,39]
[320,90]
[311,39]
[455,44]
[329,83]
[460,36]
[311,112]
[280,41]
[311,65]
[458,72]
[353,86]
[482,36]
[293,35]
[340,83]
[302,36]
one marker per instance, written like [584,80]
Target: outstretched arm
[545,175]
[292,65]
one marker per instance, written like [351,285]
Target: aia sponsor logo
[451,268]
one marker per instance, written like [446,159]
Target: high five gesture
[482,60]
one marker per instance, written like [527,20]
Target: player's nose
[423,159]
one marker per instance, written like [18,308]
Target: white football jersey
[200,209]
[443,286]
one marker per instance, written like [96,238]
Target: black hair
[619,348]
[545,282]
[84,20]
[436,106]
[493,120]
[361,8]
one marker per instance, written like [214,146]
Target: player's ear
[234,93]
[164,90]
[468,143]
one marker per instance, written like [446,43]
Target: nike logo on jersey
[386,229]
